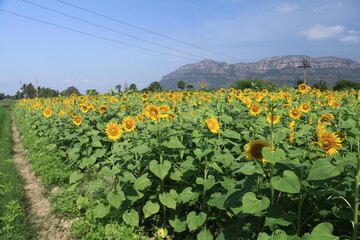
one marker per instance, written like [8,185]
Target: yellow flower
[84,108]
[152,112]
[162,233]
[212,124]
[303,88]
[139,118]
[326,118]
[113,131]
[103,109]
[329,142]
[47,112]
[203,85]
[255,109]
[275,119]
[128,124]
[295,113]
[305,107]
[253,150]
[77,120]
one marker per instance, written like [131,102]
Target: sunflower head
[295,113]
[329,142]
[77,120]
[128,124]
[113,131]
[253,150]
[255,109]
[305,107]
[326,118]
[47,112]
[303,88]
[103,109]
[152,112]
[212,124]
[84,108]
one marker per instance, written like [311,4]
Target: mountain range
[281,70]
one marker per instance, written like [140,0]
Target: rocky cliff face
[281,70]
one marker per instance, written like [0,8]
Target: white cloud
[350,39]
[319,31]
[285,7]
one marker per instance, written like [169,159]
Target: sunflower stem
[356,201]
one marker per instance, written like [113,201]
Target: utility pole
[305,64]
[37,87]
[19,91]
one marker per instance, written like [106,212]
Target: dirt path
[51,227]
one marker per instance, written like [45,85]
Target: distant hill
[281,70]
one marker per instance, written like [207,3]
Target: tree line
[29,90]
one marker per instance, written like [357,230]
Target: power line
[95,36]
[111,29]
[148,31]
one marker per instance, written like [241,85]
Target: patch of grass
[14,219]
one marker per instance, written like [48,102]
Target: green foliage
[322,85]
[70,90]
[181,84]
[256,84]
[346,85]
[179,178]
[14,219]
[155,87]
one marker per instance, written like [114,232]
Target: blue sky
[246,30]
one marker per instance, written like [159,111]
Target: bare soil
[50,226]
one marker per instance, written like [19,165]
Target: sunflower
[291,135]
[113,131]
[329,142]
[77,120]
[128,124]
[84,108]
[203,85]
[103,109]
[253,150]
[212,124]
[295,113]
[152,112]
[139,118]
[303,88]
[305,107]
[144,97]
[255,109]
[326,118]
[62,112]
[275,119]
[47,112]
[164,108]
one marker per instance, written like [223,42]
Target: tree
[181,84]
[322,85]
[28,90]
[118,88]
[2,96]
[92,92]
[345,84]
[155,87]
[133,87]
[299,82]
[70,90]
[257,84]
[47,92]
[190,86]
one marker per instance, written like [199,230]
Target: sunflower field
[227,164]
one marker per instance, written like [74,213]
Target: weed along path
[50,227]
